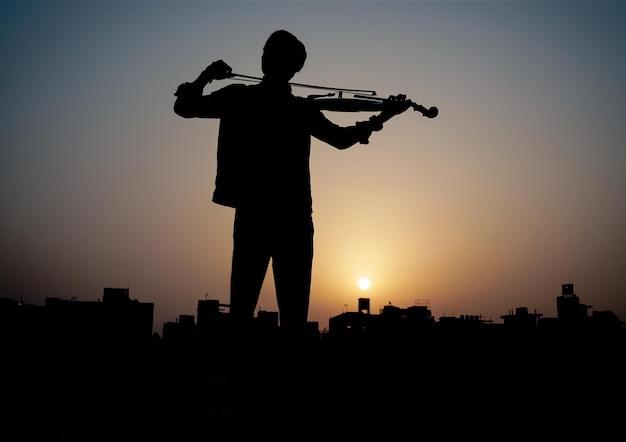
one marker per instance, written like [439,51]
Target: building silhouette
[118,318]
[115,319]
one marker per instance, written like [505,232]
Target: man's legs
[249,265]
[292,261]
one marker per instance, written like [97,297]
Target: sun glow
[364,283]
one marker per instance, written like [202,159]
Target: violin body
[347,104]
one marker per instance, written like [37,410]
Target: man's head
[283,56]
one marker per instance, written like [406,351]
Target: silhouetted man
[263,172]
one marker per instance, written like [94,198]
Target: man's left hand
[394,105]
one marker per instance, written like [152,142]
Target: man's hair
[288,47]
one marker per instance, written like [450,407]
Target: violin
[361,100]
[363,103]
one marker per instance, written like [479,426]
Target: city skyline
[114,293]
[387,374]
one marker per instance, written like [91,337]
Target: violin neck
[418,107]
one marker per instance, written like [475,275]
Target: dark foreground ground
[330,390]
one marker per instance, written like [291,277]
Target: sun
[364,283]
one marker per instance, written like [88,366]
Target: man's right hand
[218,70]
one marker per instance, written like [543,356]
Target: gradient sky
[517,187]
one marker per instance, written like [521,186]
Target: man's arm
[189,102]
[345,137]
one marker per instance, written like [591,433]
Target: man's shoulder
[235,88]
[232,94]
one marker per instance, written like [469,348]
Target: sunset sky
[517,187]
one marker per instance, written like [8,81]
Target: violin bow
[359,103]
